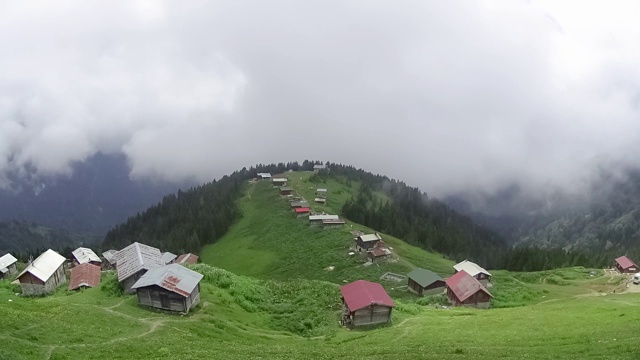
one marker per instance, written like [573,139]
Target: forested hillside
[24,239]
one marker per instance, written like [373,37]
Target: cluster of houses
[160,280]
[372,245]
[367,303]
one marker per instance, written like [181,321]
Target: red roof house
[187,259]
[84,275]
[302,211]
[625,265]
[465,290]
[365,303]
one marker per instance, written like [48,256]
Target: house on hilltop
[425,282]
[475,270]
[365,303]
[264,176]
[84,255]
[465,290]
[189,258]
[84,275]
[625,265]
[367,242]
[44,274]
[169,287]
[7,265]
[110,257]
[278,182]
[319,167]
[135,260]
[286,190]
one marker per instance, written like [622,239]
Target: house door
[164,300]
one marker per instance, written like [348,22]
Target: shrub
[110,284]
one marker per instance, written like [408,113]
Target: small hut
[332,223]
[318,220]
[43,275]
[189,258]
[320,200]
[135,260]
[475,270]
[264,176]
[321,193]
[319,167]
[278,182]
[84,275]
[425,282]
[110,257]
[625,265]
[365,303]
[367,242]
[170,287]
[302,212]
[84,255]
[299,204]
[168,258]
[286,190]
[465,290]
[7,265]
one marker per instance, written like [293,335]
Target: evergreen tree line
[185,221]
[432,225]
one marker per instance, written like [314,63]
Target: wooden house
[425,282]
[318,220]
[320,200]
[321,193]
[168,258]
[332,223]
[299,204]
[189,258]
[378,253]
[465,290]
[135,260]
[84,255]
[319,167]
[286,190]
[43,275]
[110,259]
[7,266]
[84,275]
[475,271]
[169,287]
[264,176]
[278,182]
[302,212]
[365,303]
[367,242]
[625,265]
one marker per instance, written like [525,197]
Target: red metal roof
[625,262]
[360,294]
[302,210]
[464,285]
[85,274]
[377,252]
[187,259]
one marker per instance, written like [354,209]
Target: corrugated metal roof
[168,257]
[333,222]
[318,167]
[110,256]
[321,190]
[264,175]
[302,210]
[172,277]
[360,294]
[286,188]
[625,262]
[45,265]
[464,285]
[370,237]
[323,217]
[471,268]
[85,274]
[85,255]
[6,261]
[279,179]
[299,204]
[187,259]
[424,277]
[136,257]
[320,200]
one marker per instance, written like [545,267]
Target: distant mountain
[24,239]
[97,195]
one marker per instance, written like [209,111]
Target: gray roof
[136,257]
[6,261]
[168,257]
[85,255]
[110,256]
[45,265]
[424,277]
[172,277]
[299,204]
[286,188]
[319,166]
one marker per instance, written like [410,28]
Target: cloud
[448,96]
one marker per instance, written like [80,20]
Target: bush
[110,284]
[440,299]
[6,284]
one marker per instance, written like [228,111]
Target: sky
[448,96]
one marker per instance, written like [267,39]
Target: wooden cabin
[43,275]
[365,303]
[84,255]
[318,220]
[286,190]
[278,182]
[134,261]
[299,204]
[168,258]
[332,223]
[425,282]
[264,176]
[378,253]
[625,265]
[110,259]
[84,275]
[302,212]
[321,193]
[189,258]
[465,290]
[319,167]
[367,242]
[7,266]
[320,200]
[475,270]
[170,287]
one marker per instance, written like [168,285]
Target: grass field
[267,296]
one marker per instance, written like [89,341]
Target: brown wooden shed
[170,287]
[465,290]
[365,303]
[425,282]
